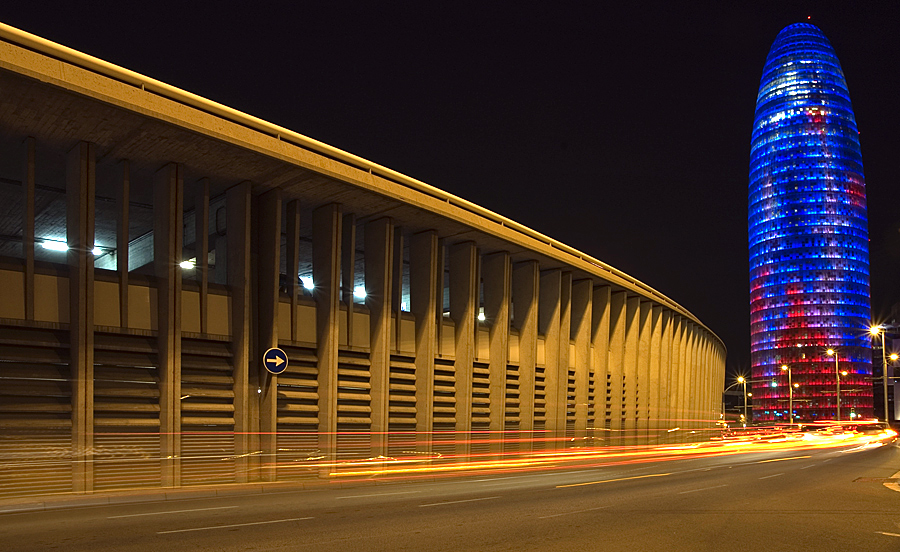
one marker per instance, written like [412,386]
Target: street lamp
[875,330]
[740,380]
[785,367]
[743,381]
[837,377]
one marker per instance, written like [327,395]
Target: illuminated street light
[837,377]
[785,367]
[875,330]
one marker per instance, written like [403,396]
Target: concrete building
[146,237]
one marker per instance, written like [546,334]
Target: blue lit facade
[809,254]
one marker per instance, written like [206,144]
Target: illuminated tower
[809,253]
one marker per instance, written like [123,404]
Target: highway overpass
[155,244]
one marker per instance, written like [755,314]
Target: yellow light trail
[780,459]
[611,480]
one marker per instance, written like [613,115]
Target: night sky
[621,129]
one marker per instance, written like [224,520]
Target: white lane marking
[894,486]
[703,489]
[171,512]
[458,501]
[807,467]
[378,494]
[575,512]
[229,526]
[888,534]
[768,476]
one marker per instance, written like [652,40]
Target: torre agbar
[809,258]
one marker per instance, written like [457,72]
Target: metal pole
[837,376]
[745,402]
[884,378]
[790,396]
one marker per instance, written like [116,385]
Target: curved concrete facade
[476,336]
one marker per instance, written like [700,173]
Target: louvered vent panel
[207,412]
[298,450]
[35,412]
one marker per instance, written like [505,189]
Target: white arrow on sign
[277,360]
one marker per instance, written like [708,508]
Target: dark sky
[619,128]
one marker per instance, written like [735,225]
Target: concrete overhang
[61,96]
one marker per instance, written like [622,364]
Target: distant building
[809,255]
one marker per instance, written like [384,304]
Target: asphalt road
[816,500]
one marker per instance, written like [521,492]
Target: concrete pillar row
[201,248]
[123,195]
[525,278]
[582,310]
[666,374]
[28,187]
[632,337]
[80,197]
[618,315]
[497,274]
[463,312]
[549,317]
[645,331]
[425,297]
[168,224]
[380,281]
[269,268]
[326,246]
[600,345]
[348,269]
[292,262]
[238,278]
[656,381]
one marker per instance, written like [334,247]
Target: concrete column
[201,249]
[424,297]
[656,381]
[326,232]
[123,199]
[525,320]
[678,372]
[565,344]
[548,325]
[238,238]
[600,362]
[348,268]
[80,186]
[692,377]
[463,310]
[632,338]
[28,186]
[666,374]
[168,224]
[617,319]
[269,268]
[497,272]
[582,299]
[645,330]
[292,260]
[380,278]
[397,285]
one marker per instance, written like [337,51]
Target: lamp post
[875,330]
[785,367]
[837,377]
[740,380]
